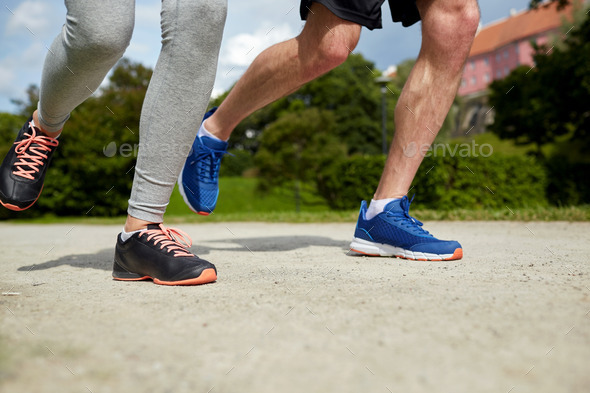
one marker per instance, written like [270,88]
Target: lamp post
[383,81]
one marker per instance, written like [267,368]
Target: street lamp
[383,81]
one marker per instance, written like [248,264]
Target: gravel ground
[292,312]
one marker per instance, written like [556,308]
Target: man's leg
[448,28]
[176,99]
[325,42]
[386,227]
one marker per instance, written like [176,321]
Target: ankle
[377,197]
[211,126]
[51,134]
[135,224]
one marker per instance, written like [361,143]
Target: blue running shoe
[198,181]
[394,233]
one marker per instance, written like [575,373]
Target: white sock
[377,206]
[126,235]
[204,132]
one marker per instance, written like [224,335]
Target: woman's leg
[175,102]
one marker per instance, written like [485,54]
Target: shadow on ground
[103,259]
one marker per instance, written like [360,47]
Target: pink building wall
[482,69]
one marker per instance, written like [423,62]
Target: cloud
[242,48]
[148,15]
[7,87]
[217,92]
[239,50]
[12,68]
[138,49]
[31,17]
[31,57]
[249,30]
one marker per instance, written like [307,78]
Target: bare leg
[54,134]
[324,43]
[134,224]
[448,28]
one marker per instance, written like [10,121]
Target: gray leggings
[94,37]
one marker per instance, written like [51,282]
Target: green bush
[568,182]
[346,182]
[235,163]
[84,177]
[493,182]
[445,183]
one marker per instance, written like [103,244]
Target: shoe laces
[208,163]
[402,217]
[170,239]
[31,152]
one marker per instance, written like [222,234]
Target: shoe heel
[365,247]
[120,273]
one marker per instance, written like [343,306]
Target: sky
[28,27]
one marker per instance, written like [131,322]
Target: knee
[453,24]
[182,15]
[448,30]
[467,18]
[335,50]
[100,42]
[331,51]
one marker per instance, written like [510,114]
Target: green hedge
[568,182]
[345,183]
[236,162]
[493,182]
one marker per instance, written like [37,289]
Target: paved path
[291,312]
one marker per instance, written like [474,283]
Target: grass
[239,195]
[503,146]
[562,144]
[572,214]
[240,201]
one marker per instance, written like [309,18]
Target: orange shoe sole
[20,209]
[207,276]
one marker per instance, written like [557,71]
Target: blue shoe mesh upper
[200,177]
[395,227]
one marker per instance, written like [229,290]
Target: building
[498,48]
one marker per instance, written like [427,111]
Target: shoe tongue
[215,144]
[394,206]
[153,226]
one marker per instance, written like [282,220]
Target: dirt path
[291,312]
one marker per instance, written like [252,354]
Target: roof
[519,26]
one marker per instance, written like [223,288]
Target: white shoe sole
[365,247]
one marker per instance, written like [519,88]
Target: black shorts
[367,12]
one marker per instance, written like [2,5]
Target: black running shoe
[157,254]
[23,170]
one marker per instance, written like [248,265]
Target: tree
[297,148]
[348,91]
[92,170]
[535,106]
[351,94]
[28,106]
